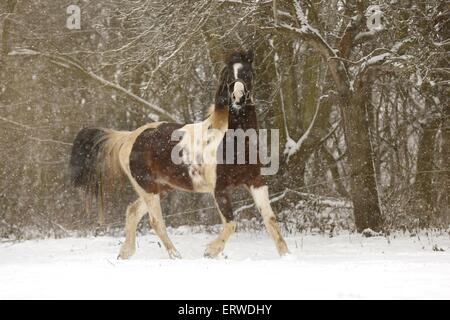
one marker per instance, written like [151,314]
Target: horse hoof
[212,254]
[214,249]
[219,256]
[125,255]
[175,255]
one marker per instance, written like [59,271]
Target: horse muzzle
[238,95]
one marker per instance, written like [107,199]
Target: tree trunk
[445,200]
[423,185]
[333,167]
[363,187]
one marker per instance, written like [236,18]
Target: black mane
[239,56]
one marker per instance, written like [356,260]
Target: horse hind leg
[224,205]
[135,212]
[153,202]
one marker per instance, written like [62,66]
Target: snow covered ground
[347,266]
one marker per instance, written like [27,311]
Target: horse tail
[95,162]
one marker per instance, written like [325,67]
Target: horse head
[236,81]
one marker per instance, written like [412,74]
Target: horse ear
[249,56]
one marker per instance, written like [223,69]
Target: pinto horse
[145,156]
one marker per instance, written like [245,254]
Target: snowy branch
[293,147]
[51,141]
[365,35]
[178,49]
[306,28]
[24,126]
[325,201]
[387,56]
[27,127]
[317,41]
[69,63]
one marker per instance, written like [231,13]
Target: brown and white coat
[146,157]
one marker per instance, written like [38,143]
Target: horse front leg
[225,208]
[260,195]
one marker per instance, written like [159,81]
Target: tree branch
[315,39]
[67,62]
